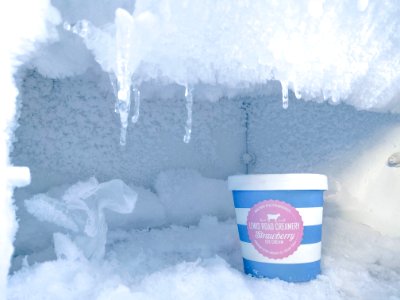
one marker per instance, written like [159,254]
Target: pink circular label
[275,228]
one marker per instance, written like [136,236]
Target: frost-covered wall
[68,131]
[313,137]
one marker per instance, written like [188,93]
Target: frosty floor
[203,262]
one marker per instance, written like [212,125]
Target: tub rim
[273,182]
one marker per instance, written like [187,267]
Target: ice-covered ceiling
[339,51]
[331,48]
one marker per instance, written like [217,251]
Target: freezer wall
[69,131]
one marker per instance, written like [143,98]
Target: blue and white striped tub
[304,263]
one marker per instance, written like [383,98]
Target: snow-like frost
[204,262]
[22,26]
[333,50]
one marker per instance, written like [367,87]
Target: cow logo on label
[275,228]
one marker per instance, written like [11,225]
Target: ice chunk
[189,109]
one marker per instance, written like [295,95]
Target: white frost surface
[337,50]
[20,31]
[202,259]
[203,262]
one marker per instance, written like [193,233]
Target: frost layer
[204,262]
[327,50]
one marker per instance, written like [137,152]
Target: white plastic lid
[273,182]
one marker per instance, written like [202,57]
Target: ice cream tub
[279,220]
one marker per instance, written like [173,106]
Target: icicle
[285,94]
[297,94]
[114,84]
[121,80]
[296,91]
[136,95]
[123,109]
[124,25]
[189,106]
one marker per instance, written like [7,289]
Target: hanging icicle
[285,94]
[121,80]
[136,98]
[123,109]
[124,25]
[296,91]
[189,107]
[114,85]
